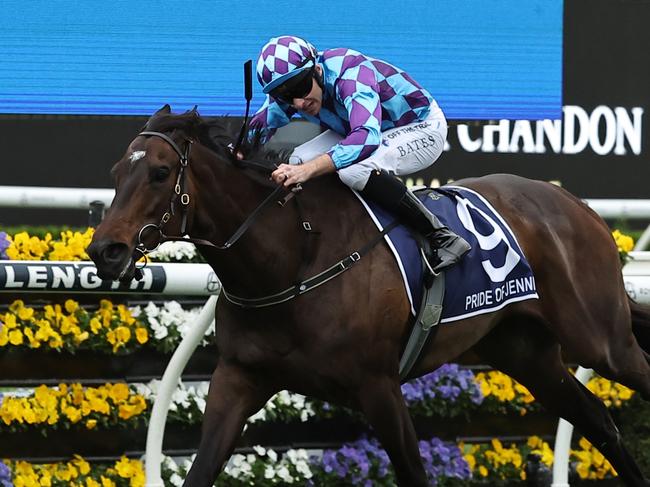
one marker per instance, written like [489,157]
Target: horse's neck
[276,246]
[264,256]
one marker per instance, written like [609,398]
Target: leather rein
[301,287]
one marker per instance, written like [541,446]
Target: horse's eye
[159,174]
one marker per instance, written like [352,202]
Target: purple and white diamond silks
[280,57]
[362,97]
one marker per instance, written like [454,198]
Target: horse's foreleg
[383,404]
[233,397]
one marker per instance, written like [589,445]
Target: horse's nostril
[115,252]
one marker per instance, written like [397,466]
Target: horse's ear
[165,110]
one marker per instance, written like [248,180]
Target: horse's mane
[215,134]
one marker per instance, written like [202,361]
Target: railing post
[156,430]
[563,440]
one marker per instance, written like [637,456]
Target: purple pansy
[364,462]
[447,391]
[4,245]
[5,476]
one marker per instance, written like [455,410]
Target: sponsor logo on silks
[81,277]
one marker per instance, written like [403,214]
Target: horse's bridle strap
[184,199]
[314,281]
[238,233]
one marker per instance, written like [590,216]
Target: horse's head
[152,190]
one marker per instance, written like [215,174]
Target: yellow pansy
[9,320]
[25,313]
[71,305]
[16,337]
[624,243]
[119,392]
[141,335]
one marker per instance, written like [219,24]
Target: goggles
[298,86]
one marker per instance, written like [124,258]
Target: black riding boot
[394,196]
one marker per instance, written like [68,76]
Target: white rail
[44,197]
[156,431]
[563,440]
[631,209]
[81,277]
[80,198]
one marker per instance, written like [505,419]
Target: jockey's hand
[239,155]
[290,174]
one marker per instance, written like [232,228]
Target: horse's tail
[641,324]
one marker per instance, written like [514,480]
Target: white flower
[136,311]
[169,463]
[272,455]
[283,398]
[159,331]
[259,450]
[174,251]
[180,397]
[176,480]
[284,474]
[151,310]
[298,401]
[269,472]
[237,459]
[306,412]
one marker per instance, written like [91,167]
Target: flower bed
[362,462]
[111,328]
[71,245]
[451,394]
[76,472]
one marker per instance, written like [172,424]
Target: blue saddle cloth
[494,273]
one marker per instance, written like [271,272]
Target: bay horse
[342,341]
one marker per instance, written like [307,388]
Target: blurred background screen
[481,60]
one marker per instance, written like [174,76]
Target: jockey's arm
[270,117]
[361,100]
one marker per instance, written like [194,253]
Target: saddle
[492,274]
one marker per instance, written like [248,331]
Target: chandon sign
[605,130]
[65,277]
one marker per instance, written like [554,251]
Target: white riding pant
[403,150]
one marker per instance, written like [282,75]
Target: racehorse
[342,341]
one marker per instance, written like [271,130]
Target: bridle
[141,249]
[302,285]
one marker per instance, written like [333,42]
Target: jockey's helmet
[283,58]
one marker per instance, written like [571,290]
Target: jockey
[380,123]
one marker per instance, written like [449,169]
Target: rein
[291,292]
